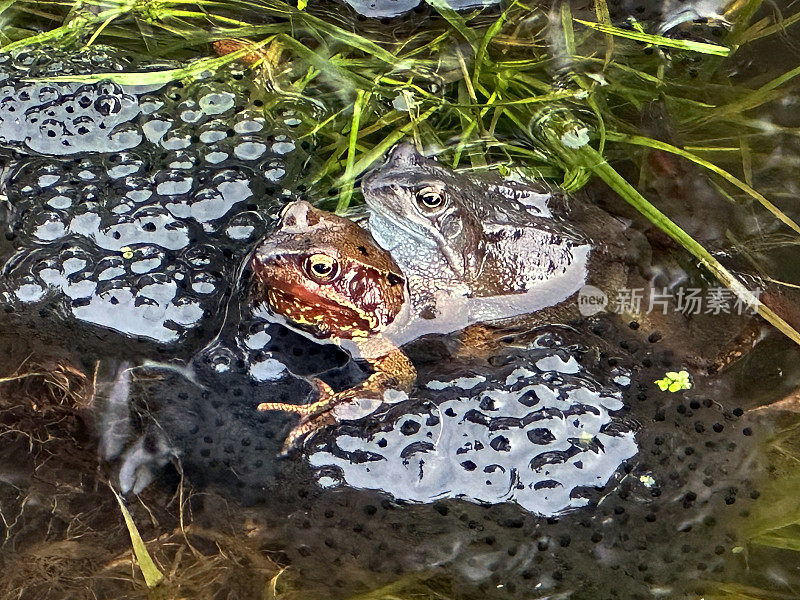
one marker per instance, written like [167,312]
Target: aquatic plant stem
[346,193]
[658,40]
[73,27]
[657,145]
[593,161]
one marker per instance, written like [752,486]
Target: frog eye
[321,268]
[430,198]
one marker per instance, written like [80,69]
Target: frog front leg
[392,370]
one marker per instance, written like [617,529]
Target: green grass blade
[356,41]
[626,191]
[456,20]
[776,540]
[491,32]
[151,573]
[325,65]
[371,156]
[566,27]
[5,5]
[658,40]
[751,35]
[604,17]
[347,186]
[165,76]
[766,93]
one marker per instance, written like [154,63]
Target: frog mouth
[323,318]
[425,236]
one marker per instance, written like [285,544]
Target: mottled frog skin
[455,230]
[465,241]
[459,239]
[326,276]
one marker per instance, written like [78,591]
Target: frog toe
[302,433]
[301,409]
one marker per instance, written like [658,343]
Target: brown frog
[326,276]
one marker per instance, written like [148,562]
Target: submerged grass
[151,573]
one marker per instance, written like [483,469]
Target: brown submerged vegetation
[63,536]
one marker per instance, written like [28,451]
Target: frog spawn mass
[63,118]
[538,432]
[144,235]
[474,435]
[222,442]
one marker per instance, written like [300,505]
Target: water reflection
[536,432]
[117,238]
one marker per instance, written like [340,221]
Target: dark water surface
[136,361]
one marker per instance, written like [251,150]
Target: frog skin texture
[326,276]
[451,229]
[455,236]
[447,229]
[492,261]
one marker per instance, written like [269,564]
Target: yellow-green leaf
[674,381]
[152,575]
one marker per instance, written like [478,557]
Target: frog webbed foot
[323,412]
[306,428]
[392,370]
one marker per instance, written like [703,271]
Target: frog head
[415,201]
[326,275]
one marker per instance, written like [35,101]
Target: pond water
[135,354]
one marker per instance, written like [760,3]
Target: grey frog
[455,234]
